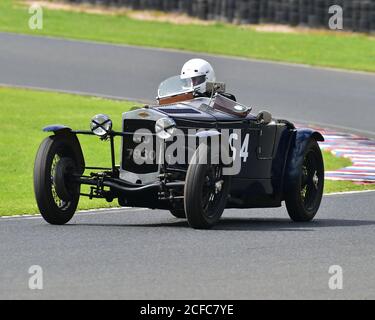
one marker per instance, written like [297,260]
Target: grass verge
[25,112]
[330,49]
[332,163]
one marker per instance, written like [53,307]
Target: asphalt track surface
[148,254]
[344,99]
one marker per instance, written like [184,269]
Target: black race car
[193,155]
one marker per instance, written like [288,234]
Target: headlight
[165,127]
[101,125]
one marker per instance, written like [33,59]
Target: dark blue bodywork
[275,153]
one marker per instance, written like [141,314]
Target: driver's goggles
[198,80]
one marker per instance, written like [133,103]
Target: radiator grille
[128,147]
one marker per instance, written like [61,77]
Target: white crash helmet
[200,72]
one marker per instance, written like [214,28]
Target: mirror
[264,117]
[215,87]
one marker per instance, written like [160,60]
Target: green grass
[332,163]
[25,112]
[331,49]
[343,186]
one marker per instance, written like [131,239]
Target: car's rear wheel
[305,191]
[56,194]
[206,192]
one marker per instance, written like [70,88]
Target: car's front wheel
[178,213]
[56,193]
[206,192]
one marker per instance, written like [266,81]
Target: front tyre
[56,194]
[206,192]
[305,191]
[178,213]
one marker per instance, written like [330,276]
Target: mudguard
[57,128]
[300,139]
[216,157]
[65,132]
[207,133]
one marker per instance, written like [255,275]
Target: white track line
[74,92]
[79,213]
[289,64]
[368,133]
[348,192]
[130,209]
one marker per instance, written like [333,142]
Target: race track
[137,253]
[146,254]
[344,99]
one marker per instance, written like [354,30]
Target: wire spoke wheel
[60,203]
[310,180]
[206,192]
[212,189]
[56,194]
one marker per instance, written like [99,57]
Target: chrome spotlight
[165,128]
[101,125]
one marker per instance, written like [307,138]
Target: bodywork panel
[273,152]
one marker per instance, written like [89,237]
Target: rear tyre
[206,192]
[305,190]
[56,194]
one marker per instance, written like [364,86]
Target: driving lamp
[165,128]
[101,125]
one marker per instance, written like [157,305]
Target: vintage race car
[190,154]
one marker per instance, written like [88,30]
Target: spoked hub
[56,193]
[61,181]
[212,189]
[206,191]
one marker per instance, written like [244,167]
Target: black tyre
[206,192]
[305,190]
[178,213]
[56,194]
